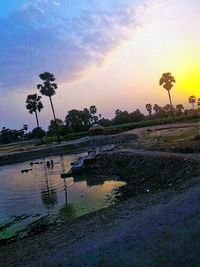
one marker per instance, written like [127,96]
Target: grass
[152,122]
[185,141]
[68,137]
[140,124]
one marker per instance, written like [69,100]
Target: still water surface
[26,197]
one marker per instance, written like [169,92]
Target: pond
[27,197]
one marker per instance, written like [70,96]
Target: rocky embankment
[147,171]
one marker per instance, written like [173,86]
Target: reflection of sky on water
[42,191]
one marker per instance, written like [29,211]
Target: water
[26,197]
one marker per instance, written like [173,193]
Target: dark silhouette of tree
[121,117]
[37,133]
[179,109]
[34,105]
[149,109]
[93,111]
[58,126]
[156,108]
[81,120]
[126,117]
[78,120]
[104,122]
[159,112]
[192,100]
[25,128]
[168,109]
[167,81]
[198,102]
[136,115]
[48,88]
[8,136]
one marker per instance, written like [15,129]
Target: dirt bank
[147,171]
[77,146]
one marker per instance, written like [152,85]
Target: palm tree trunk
[57,133]
[52,109]
[193,105]
[170,100]
[38,125]
[36,116]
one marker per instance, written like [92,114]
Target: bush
[38,133]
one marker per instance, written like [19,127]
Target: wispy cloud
[41,37]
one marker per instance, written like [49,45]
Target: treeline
[81,120]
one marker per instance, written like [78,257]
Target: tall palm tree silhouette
[48,88]
[167,81]
[34,105]
[192,100]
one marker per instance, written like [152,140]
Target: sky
[108,53]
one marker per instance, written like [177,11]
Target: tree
[34,105]
[179,109]
[94,117]
[81,120]
[78,120]
[25,127]
[159,112]
[167,81]
[168,109]
[37,133]
[8,135]
[48,88]
[149,109]
[192,100]
[136,115]
[59,125]
[121,117]
[104,122]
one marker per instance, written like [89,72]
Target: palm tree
[156,108]
[192,100]
[34,105]
[48,88]
[149,109]
[167,81]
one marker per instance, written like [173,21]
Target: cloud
[41,37]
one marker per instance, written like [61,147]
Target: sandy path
[157,230]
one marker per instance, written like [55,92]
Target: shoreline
[59,245]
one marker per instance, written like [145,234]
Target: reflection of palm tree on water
[49,195]
[65,189]
[65,184]
[67,211]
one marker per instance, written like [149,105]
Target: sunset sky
[108,53]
